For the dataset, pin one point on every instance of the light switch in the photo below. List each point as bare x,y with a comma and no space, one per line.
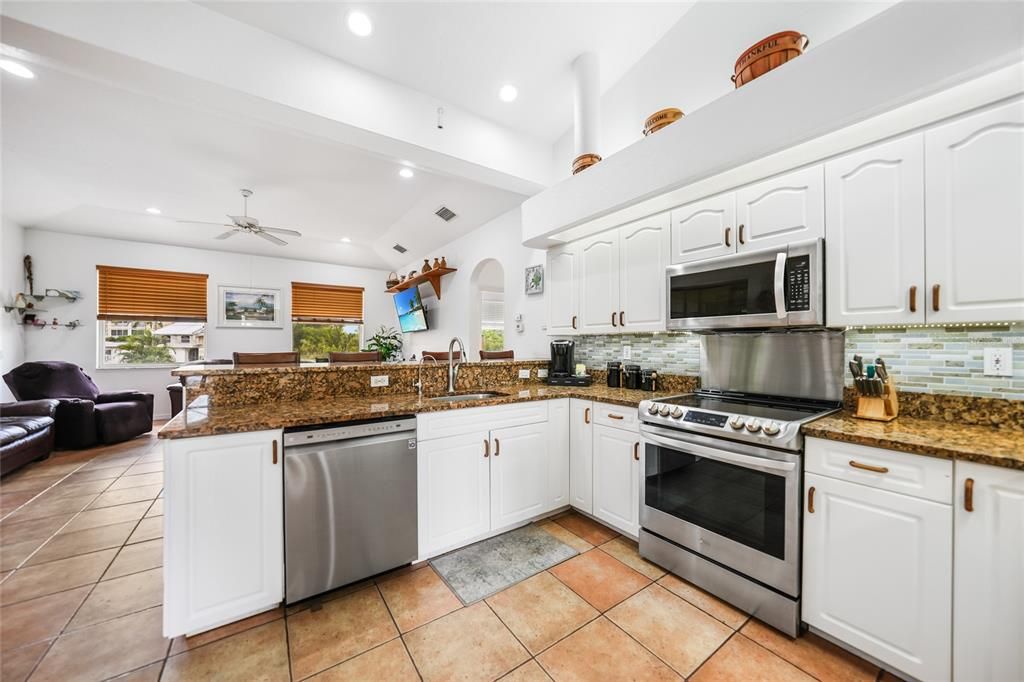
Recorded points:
627,352
999,362
524,374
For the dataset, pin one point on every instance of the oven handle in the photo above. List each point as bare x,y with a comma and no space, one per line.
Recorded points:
746,461
780,290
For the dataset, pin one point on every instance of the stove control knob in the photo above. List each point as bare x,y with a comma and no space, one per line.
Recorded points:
677,413
664,411
736,422
653,408
753,425
771,428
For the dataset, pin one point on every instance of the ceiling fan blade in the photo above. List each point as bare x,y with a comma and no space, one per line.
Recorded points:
225,235
244,221
203,222
271,238
281,230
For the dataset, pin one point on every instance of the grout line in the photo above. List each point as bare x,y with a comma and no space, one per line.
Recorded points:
713,653
401,635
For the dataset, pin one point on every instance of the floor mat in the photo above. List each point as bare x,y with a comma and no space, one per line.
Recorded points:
480,570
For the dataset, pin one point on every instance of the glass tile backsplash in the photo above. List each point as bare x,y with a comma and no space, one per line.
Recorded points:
924,360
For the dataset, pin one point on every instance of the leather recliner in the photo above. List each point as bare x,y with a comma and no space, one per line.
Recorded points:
26,433
84,416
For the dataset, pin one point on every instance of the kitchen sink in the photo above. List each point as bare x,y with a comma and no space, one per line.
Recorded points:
483,395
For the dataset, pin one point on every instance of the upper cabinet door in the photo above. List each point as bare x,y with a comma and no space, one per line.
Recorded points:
874,247
643,257
704,229
781,210
974,172
599,283
563,289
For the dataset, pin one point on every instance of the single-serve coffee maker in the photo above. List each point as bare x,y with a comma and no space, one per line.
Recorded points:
562,366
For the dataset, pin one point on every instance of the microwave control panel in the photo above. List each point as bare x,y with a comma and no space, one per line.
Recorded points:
798,283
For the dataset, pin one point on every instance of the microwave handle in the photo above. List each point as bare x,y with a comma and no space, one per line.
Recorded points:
780,285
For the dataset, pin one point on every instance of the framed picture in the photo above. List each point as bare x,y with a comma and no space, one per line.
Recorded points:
534,280
249,307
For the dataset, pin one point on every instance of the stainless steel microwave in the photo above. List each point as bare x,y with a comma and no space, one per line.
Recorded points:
780,287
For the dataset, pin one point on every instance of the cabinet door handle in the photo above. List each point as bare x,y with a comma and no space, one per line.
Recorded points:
573,321
497,447
612,415
487,448
636,451
935,298
969,495
613,319
741,234
810,500
622,318
913,299
728,234
586,415
869,467
273,448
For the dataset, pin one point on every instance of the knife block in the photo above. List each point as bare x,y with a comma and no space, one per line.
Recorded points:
883,409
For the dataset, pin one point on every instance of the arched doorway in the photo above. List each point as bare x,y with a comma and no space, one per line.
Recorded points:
487,308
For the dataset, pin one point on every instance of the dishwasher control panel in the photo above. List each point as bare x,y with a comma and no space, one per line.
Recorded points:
328,433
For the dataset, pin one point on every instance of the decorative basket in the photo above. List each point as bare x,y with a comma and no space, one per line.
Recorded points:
583,162
770,53
393,280
660,119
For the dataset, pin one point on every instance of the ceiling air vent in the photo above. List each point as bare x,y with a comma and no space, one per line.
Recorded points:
445,213
399,248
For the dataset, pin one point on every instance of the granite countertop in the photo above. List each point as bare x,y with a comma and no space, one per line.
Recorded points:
289,368
997,446
202,419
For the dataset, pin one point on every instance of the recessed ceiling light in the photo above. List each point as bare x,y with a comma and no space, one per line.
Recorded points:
346,240
153,210
406,173
16,69
359,24
508,93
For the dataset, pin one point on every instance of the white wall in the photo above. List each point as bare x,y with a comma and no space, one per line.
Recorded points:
69,261
12,281
500,240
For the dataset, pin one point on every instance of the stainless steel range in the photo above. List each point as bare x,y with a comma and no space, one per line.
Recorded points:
721,493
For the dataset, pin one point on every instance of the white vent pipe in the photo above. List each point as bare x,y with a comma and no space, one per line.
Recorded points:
586,103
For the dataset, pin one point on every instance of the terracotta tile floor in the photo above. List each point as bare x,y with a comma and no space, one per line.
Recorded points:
81,588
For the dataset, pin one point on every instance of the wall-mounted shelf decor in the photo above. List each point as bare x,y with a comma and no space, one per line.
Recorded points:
53,324
433,276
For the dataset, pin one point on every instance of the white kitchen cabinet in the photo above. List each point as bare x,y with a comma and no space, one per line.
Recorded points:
581,459
781,210
562,289
453,490
875,226
599,283
223,529
704,229
988,594
643,257
877,573
558,453
519,474
616,493
974,171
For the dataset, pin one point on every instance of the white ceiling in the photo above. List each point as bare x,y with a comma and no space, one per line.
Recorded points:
462,52
88,158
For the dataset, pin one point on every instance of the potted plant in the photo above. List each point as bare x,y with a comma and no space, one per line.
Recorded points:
388,342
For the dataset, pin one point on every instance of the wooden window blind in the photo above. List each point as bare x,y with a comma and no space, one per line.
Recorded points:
137,294
326,303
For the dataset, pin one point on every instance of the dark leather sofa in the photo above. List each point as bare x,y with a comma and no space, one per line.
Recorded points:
26,433
85,416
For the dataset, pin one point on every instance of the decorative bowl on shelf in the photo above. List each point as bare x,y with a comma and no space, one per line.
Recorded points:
393,280
768,54
660,119
583,162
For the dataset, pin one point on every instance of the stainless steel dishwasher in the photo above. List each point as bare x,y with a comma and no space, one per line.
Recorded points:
349,503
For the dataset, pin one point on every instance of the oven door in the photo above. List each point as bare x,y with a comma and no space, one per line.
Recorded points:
771,288
738,505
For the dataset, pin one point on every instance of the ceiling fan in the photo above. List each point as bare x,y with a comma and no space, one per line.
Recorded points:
246,223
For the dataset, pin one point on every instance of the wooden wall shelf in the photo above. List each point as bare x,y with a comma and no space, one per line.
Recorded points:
434,277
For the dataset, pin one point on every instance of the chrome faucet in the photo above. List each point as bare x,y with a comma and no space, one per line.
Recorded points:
419,377
453,366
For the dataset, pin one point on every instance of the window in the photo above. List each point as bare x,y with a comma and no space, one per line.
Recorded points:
492,320
326,318
150,318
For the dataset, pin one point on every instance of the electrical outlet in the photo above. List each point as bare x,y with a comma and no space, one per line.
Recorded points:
524,374
379,381
999,362
542,373
627,352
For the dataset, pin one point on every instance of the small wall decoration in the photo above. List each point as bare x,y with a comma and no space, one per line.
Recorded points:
249,307
534,280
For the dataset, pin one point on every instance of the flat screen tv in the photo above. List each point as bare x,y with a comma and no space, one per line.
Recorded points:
411,315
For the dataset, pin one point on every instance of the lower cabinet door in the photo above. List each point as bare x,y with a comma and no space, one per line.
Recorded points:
453,479
988,592
581,455
223,529
519,474
558,454
877,573
616,478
